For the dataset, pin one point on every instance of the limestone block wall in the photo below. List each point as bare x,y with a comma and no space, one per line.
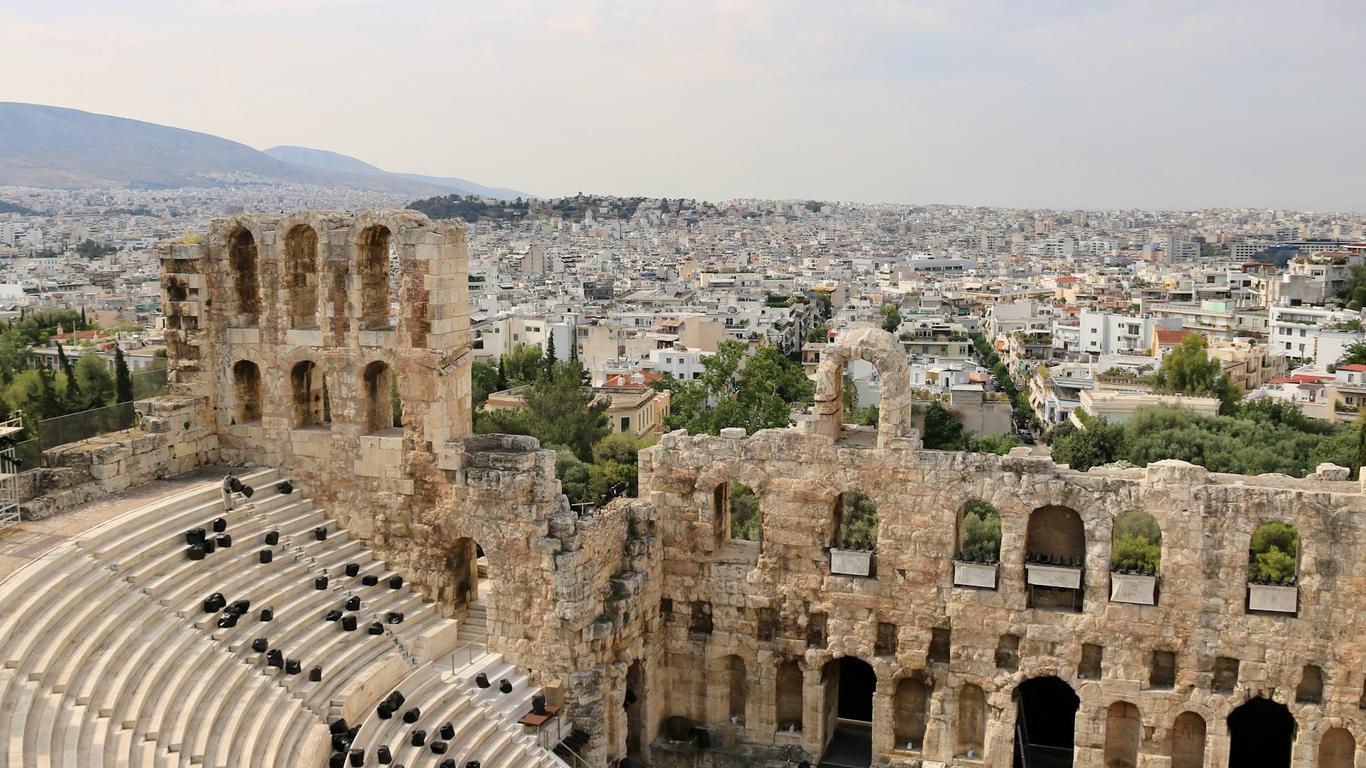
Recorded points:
778,601
173,435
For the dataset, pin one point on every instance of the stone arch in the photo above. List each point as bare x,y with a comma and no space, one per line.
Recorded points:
787,696
244,265
978,532
637,737
377,396
882,350
1046,711
1188,741
1123,733
972,722
1261,732
308,388
375,272
910,707
463,563
301,276
1337,749
1055,556
246,388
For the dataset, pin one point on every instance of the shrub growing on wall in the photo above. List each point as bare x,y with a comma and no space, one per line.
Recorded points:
1137,546
981,533
1272,556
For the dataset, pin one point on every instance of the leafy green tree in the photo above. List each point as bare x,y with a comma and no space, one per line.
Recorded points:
123,380
95,380
572,474
74,400
745,523
981,533
13,353
891,318
483,382
1273,552
1354,293
1354,354
858,522
558,411
943,430
1189,370
755,393
549,360
523,365
1137,544
1099,443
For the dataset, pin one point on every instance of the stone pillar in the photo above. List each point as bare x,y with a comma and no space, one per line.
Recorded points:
814,735
884,716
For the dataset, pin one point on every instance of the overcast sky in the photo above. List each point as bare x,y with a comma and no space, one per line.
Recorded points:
1020,102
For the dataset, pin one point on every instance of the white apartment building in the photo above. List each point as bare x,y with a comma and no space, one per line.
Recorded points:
682,363
1106,333
1296,332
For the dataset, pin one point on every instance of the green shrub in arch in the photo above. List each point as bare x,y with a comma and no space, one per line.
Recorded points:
858,523
1273,554
981,533
1137,544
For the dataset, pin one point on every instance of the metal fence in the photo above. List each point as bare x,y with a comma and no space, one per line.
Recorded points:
83,425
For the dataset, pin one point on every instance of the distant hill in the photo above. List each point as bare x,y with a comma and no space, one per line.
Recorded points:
42,146
8,207
333,161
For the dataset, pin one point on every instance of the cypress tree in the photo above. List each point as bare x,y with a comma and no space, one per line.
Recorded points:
550,355
123,380
73,389
48,404
502,376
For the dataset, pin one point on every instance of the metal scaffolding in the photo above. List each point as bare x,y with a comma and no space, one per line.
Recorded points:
9,471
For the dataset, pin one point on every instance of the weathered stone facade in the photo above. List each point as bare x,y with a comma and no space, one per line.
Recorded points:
652,597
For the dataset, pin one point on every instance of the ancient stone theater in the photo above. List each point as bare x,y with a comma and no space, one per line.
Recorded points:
376,585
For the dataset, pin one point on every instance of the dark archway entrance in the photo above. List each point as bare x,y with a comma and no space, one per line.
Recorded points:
634,703
1260,734
1045,719
849,684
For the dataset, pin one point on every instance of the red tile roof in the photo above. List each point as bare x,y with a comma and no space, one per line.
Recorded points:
1165,336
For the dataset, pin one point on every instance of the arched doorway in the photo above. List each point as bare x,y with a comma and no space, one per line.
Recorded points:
1260,733
301,276
1188,741
463,563
848,684
1045,719
376,279
243,264
246,384
1337,749
1123,732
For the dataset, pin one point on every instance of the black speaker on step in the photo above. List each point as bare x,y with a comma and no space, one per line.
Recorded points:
248,491
234,485
194,536
352,569
285,487
337,759
223,540
267,613
266,556
338,726
538,704
260,645
375,628
348,623
395,582
394,617
369,580
357,757
293,667
320,533
208,546
214,602
504,686
315,675
238,607
273,538
227,621
383,755
320,582
276,658
353,603
481,680
195,552
395,700
447,731
438,747
418,738
412,715
474,764
333,615
219,525
383,711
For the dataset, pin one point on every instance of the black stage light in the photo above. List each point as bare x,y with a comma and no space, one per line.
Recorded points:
227,621
293,667
194,536
504,686
357,757
195,552
267,613
338,726
538,704
260,645
438,747
214,602
348,623
208,546
333,615
273,538
369,580
352,569
383,754
394,617
418,738
320,582
219,525
320,533
266,556
315,675
285,487
395,582
375,628
276,658
353,603
447,731
412,715
223,540
481,680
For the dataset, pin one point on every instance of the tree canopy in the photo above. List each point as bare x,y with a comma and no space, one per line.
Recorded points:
755,393
1189,370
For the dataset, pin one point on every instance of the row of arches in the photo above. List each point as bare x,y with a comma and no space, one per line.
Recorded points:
310,401
1054,535
375,264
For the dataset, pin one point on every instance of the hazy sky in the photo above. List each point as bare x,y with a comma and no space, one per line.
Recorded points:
1019,102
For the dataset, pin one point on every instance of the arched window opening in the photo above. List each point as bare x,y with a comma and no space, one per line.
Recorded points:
634,702
301,276
978,550
737,690
1337,749
469,568
243,264
376,279
1273,562
737,508
1188,741
1310,688
1055,551
246,387
309,395
788,697
1260,733
855,529
1123,732
378,396
1045,714
340,318
910,705
1135,558
972,722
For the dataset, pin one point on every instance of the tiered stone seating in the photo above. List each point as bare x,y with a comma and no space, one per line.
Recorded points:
484,719
107,657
